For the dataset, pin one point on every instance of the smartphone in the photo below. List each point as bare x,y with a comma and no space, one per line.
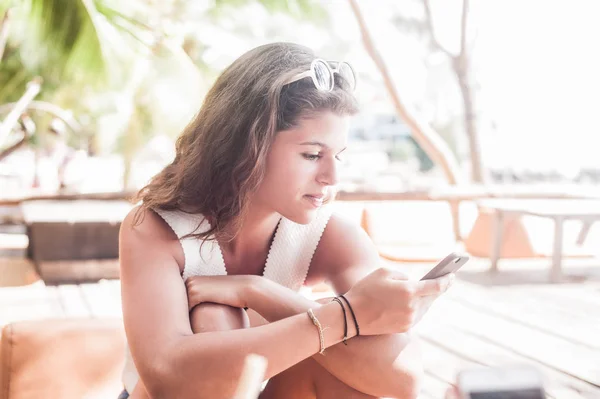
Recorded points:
513,382
450,264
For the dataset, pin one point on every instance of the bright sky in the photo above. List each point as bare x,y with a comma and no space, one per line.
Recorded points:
537,65
540,68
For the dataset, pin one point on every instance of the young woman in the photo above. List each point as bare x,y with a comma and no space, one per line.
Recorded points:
212,261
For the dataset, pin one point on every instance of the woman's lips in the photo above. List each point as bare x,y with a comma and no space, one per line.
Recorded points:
316,201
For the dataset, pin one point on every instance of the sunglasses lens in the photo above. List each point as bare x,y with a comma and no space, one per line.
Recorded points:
346,72
323,78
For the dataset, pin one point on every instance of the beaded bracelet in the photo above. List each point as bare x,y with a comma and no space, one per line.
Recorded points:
316,322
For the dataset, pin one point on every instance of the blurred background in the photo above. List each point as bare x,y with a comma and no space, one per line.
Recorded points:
477,133
119,80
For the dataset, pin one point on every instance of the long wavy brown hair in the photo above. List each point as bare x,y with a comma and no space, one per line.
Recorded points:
221,155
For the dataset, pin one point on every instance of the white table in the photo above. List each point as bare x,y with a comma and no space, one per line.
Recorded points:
558,210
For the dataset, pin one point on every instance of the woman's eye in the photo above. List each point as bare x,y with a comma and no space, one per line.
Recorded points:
311,157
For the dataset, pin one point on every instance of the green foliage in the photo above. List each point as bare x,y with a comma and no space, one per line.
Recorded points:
125,23
448,132
76,40
66,34
425,162
13,77
406,149
6,4
15,74
87,52
401,151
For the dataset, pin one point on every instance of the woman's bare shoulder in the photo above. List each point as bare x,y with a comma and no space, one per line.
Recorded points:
344,245
144,227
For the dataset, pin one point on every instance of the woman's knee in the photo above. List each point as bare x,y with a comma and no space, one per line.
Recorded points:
215,317
329,386
309,380
297,382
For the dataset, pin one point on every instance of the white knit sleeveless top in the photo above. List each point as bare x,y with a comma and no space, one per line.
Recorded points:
287,263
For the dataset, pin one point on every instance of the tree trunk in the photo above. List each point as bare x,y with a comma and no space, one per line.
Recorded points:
431,142
461,66
470,119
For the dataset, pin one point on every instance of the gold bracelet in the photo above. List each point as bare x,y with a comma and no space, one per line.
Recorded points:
320,328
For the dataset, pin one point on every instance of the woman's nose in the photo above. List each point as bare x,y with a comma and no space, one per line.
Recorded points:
329,175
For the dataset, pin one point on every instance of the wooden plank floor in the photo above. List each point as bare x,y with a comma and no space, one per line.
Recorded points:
518,317
514,317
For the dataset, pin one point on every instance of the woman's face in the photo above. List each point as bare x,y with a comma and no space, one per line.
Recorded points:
302,166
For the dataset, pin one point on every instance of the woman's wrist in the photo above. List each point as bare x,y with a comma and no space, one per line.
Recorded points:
352,304
352,320
347,313
332,320
251,290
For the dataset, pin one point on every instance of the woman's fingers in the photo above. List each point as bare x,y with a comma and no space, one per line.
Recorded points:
396,275
192,295
189,282
435,286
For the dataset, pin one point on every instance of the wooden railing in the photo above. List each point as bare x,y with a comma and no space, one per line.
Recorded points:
453,195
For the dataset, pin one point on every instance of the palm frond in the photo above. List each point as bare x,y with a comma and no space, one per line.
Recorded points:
126,24
75,37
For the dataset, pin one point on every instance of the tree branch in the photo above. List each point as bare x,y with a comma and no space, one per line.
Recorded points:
52,109
434,39
427,138
463,29
33,88
474,36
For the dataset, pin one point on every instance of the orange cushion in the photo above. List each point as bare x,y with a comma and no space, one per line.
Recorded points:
64,358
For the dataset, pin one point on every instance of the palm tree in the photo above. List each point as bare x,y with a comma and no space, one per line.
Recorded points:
70,42
92,42
74,39
62,41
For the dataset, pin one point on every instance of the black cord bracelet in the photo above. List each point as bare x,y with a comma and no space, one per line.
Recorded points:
353,315
345,319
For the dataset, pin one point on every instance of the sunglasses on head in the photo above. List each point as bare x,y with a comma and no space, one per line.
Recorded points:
322,73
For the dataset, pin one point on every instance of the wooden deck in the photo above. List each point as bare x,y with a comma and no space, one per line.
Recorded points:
484,320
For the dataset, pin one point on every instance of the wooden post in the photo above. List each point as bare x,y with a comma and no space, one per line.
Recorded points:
556,271
497,230
365,221
455,211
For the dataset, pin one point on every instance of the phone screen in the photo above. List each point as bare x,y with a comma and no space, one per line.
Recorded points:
509,382
450,264
533,393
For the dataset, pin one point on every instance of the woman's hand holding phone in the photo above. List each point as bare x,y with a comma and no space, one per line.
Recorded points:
386,302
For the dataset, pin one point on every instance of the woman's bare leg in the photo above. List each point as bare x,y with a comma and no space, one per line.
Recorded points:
309,380
306,380
204,318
